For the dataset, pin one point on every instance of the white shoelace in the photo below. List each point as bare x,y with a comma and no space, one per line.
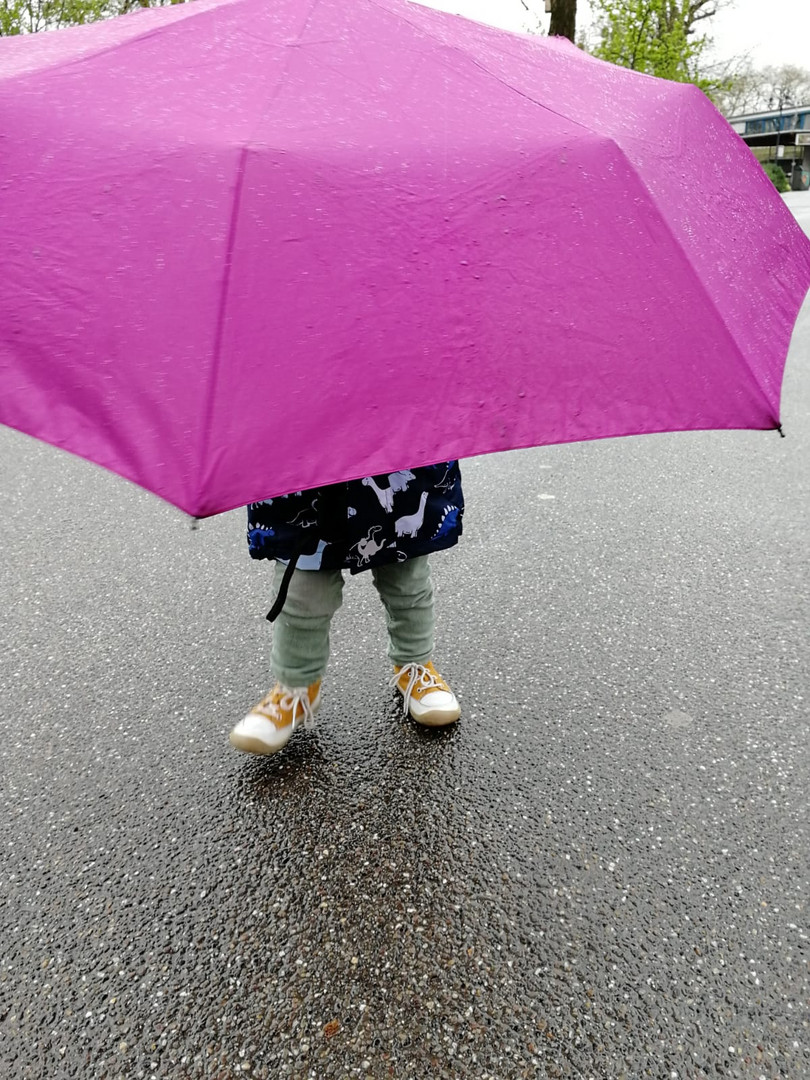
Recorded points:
291,699
417,674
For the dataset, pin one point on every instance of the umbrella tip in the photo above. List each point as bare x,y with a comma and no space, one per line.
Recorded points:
195,523
779,429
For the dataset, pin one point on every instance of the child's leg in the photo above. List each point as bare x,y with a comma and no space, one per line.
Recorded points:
301,632
407,595
300,654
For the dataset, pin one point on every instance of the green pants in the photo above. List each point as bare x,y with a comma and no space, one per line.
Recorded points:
301,632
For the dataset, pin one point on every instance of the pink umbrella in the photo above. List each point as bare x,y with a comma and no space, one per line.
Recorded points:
248,248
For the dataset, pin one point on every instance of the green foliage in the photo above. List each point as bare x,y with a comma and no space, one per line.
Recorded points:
778,176
30,16
657,37
23,16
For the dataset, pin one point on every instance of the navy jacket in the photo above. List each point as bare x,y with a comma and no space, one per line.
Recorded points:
363,523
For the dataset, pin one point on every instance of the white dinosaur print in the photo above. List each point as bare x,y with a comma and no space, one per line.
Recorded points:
305,518
397,481
445,484
368,547
412,523
314,561
385,495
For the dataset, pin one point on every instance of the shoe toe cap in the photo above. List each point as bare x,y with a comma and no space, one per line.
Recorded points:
257,735
435,708
438,699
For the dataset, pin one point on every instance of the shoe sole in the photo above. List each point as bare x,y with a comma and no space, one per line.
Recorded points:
255,746
251,745
436,718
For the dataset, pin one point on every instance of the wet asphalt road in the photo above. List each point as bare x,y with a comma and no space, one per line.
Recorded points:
602,872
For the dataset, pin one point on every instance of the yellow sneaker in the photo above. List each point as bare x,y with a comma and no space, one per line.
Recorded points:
268,726
426,696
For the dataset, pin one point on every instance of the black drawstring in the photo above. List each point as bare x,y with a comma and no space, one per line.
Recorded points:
278,603
331,511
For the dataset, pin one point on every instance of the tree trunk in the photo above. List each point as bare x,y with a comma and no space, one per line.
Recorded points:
563,19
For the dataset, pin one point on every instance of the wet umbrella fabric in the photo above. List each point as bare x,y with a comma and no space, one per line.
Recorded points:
248,248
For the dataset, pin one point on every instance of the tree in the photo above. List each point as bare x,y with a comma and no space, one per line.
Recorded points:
563,19
750,89
658,37
28,16
31,16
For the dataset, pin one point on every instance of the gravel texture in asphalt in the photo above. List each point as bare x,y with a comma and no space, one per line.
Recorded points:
602,871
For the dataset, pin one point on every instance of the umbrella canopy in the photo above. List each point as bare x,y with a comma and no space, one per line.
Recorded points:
248,248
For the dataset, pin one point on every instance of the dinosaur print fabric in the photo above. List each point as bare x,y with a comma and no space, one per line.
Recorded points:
389,518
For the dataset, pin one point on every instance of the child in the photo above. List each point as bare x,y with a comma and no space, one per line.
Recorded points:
388,524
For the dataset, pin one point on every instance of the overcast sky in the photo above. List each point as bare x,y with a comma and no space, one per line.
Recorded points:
770,31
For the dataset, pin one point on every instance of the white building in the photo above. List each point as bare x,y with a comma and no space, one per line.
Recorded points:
780,135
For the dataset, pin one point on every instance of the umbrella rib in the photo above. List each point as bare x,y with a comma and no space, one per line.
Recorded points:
213,379
477,63
703,289
569,120
693,272
180,13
